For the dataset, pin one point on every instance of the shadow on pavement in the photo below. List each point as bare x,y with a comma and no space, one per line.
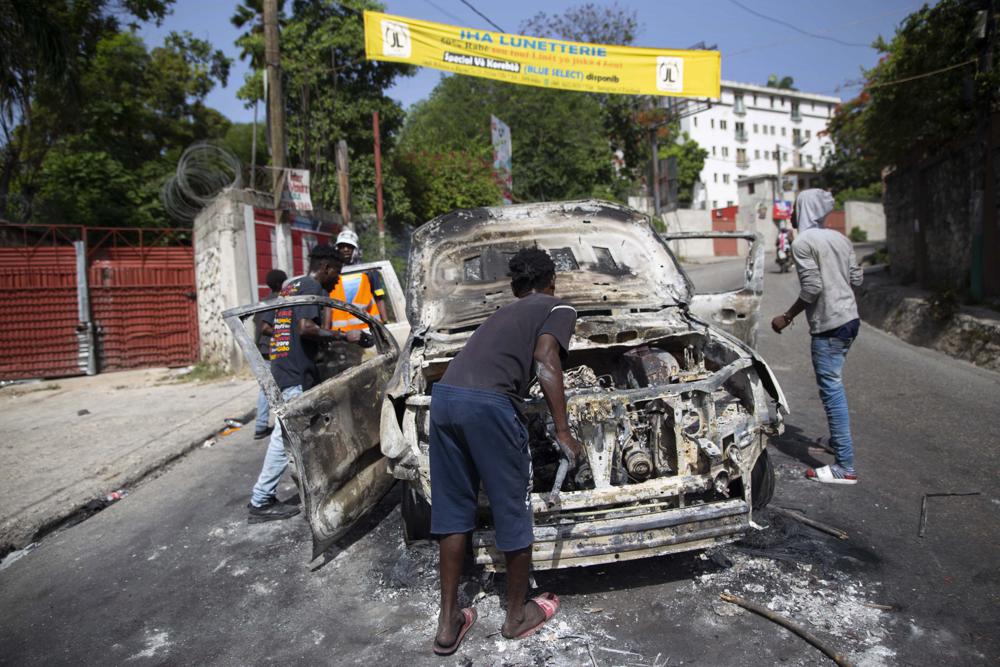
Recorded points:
796,444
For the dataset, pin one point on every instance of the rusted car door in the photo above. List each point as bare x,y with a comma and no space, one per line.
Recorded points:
737,311
332,430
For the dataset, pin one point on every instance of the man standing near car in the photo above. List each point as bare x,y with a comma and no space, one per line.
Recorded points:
296,333
827,270
262,321
478,433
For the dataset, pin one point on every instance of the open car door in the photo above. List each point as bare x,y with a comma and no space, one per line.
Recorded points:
331,430
736,311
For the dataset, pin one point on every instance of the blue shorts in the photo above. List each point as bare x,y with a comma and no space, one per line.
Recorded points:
478,435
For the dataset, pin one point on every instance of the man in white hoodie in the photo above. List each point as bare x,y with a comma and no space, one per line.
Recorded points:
827,269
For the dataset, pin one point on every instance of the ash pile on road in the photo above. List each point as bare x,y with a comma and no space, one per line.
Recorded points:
806,577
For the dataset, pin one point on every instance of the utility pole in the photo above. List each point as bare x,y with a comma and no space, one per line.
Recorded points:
378,185
275,98
656,170
344,184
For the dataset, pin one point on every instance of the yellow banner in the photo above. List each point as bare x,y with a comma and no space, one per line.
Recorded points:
537,61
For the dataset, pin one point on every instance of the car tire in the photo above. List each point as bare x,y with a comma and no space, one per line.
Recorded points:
762,481
416,513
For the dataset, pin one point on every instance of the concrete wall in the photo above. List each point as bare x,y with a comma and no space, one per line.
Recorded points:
929,219
869,216
690,220
222,277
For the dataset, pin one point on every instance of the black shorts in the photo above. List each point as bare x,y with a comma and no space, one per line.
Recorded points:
478,435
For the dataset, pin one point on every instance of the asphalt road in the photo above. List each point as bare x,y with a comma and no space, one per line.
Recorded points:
174,575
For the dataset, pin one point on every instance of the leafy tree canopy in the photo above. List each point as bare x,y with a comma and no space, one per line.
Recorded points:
782,83
439,182
560,147
330,93
909,109
690,158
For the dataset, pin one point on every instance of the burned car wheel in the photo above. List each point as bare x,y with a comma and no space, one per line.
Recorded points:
416,515
762,481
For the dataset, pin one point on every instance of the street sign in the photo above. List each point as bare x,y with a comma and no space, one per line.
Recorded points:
543,62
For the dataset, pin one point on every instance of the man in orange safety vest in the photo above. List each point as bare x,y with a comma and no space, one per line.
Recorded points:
361,289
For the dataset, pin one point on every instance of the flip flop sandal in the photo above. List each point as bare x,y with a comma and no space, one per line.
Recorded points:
470,618
825,475
549,604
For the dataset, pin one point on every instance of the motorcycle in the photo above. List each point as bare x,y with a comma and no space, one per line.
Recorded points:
784,251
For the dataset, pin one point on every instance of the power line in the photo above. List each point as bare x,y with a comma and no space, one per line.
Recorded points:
444,11
484,16
920,76
867,19
794,27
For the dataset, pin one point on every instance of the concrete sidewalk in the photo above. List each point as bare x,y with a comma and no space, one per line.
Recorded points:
70,441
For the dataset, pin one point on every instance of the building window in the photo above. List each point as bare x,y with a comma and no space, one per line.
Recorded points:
756,154
808,135
715,203
784,156
738,105
750,188
812,106
772,131
729,203
711,123
772,101
795,111
756,128
797,137
755,99
767,155
741,157
725,151
783,132
713,151
741,131
725,178
716,178
722,125
695,121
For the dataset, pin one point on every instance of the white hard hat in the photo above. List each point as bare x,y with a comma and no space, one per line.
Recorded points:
347,236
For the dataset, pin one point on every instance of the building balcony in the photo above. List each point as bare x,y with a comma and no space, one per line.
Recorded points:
743,164
740,110
796,116
741,136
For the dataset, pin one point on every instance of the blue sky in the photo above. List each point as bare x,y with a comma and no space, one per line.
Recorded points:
752,47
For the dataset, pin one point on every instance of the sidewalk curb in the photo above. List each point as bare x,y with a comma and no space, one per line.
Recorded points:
904,313
15,540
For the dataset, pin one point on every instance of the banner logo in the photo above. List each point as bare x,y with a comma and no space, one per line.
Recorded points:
669,74
396,39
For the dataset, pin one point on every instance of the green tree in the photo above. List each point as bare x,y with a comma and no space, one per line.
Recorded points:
139,109
560,147
598,24
782,83
45,48
331,91
690,158
440,182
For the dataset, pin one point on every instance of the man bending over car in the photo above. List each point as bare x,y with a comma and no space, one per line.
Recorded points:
478,433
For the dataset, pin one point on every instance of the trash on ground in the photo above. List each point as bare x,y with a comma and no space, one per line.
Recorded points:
818,525
784,622
233,423
923,505
15,556
80,413
208,443
115,496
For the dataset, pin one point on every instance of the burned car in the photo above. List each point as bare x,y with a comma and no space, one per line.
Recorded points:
672,408
664,391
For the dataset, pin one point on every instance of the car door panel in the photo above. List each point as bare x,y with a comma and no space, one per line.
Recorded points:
331,430
735,311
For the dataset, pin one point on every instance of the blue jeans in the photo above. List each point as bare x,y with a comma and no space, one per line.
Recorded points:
275,460
828,355
263,409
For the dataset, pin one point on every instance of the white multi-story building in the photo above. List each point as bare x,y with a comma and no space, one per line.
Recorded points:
747,129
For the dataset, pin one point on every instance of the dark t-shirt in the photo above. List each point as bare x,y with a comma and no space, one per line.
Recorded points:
264,342
291,355
499,356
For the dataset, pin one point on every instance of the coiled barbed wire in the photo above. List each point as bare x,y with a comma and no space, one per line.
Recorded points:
203,171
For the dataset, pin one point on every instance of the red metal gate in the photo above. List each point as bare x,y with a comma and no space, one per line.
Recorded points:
141,291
